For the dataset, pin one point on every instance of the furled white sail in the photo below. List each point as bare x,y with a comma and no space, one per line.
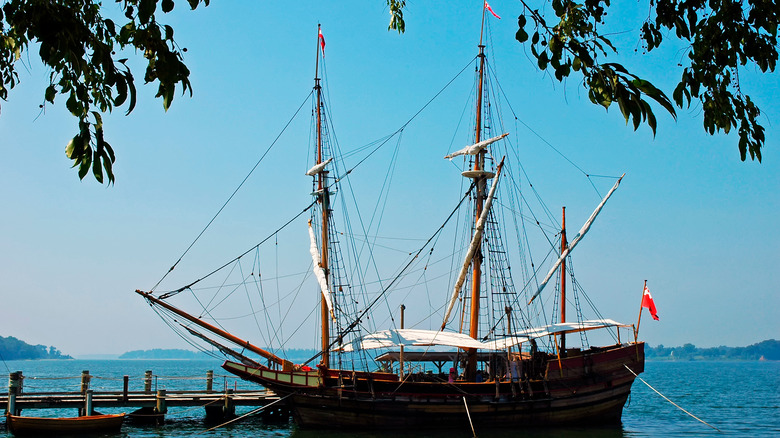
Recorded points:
319,272
475,148
475,241
318,168
576,240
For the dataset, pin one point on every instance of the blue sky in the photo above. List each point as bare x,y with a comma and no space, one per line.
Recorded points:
690,217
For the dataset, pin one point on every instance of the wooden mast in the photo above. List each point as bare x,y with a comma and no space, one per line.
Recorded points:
564,244
479,165
323,193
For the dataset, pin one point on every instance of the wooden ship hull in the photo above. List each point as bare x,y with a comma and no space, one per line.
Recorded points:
38,426
589,388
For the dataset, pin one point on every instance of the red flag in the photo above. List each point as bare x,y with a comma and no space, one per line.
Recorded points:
322,42
647,301
487,6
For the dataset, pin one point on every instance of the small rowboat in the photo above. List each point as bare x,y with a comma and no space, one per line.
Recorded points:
63,426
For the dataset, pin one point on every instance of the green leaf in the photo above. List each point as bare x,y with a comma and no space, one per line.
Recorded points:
623,108
651,122
70,149
146,10
84,168
521,35
542,61
576,64
72,105
51,92
167,95
97,169
167,6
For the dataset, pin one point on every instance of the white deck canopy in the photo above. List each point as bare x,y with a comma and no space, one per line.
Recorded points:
412,338
429,338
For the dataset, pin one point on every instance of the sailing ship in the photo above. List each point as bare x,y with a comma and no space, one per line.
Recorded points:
493,366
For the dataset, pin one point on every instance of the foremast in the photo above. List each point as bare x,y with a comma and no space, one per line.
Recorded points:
324,201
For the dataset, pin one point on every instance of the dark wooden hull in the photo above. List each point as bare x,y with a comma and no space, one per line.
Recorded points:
589,388
37,426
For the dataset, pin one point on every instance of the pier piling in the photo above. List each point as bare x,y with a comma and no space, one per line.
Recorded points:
84,381
88,409
148,382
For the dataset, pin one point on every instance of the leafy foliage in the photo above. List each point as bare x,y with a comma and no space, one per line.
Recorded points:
723,35
396,15
81,48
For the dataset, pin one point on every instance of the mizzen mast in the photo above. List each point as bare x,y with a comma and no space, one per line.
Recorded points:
564,244
322,192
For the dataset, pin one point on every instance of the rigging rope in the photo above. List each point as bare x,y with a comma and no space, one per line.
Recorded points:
358,319
174,292
273,143
435,96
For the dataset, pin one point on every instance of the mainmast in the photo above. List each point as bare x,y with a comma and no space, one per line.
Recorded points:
480,178
322,190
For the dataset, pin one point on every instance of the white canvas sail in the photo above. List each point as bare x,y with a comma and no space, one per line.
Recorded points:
475,148
319,273
475,241
576,240
318,168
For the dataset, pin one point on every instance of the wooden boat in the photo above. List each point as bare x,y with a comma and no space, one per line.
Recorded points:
507,354
38,426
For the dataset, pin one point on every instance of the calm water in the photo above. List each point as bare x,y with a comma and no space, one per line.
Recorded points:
740,398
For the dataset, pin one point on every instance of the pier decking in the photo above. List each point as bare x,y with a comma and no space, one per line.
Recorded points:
146,404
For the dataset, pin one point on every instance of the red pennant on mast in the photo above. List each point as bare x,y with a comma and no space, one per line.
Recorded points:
487,6
647,301
322,42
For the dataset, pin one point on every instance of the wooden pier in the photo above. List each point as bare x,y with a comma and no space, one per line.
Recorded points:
147,405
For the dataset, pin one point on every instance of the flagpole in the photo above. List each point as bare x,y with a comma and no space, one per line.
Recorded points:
641,302
482,26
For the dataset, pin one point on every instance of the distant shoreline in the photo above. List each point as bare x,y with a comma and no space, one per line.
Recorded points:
769,350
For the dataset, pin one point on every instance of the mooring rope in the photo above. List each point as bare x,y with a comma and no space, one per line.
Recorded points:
248,413
667,399
468,414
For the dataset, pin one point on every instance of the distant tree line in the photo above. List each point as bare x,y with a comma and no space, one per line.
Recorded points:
15,349
768,350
